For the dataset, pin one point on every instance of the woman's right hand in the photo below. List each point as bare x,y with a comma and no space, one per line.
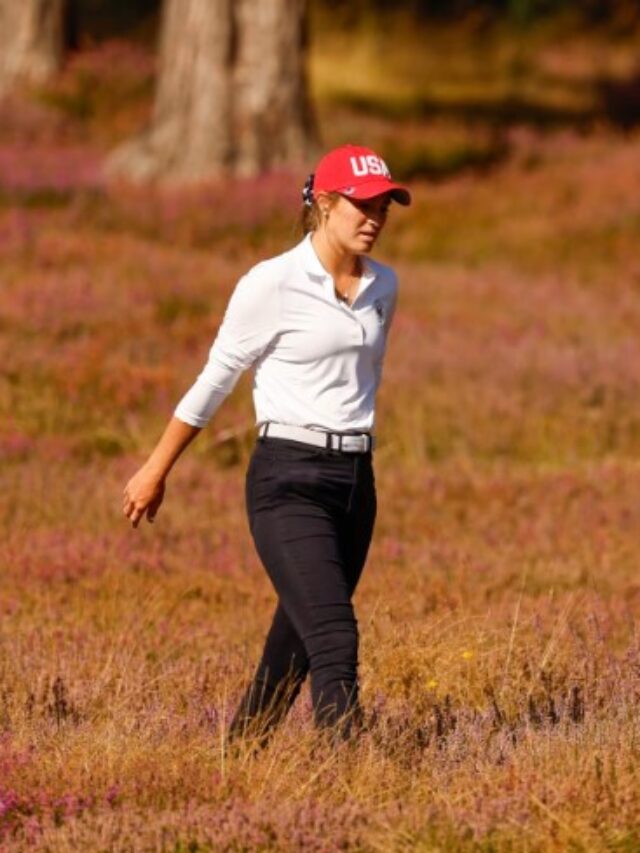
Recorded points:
143,494
145,490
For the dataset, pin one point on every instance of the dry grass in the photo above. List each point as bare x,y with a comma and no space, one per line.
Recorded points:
500,654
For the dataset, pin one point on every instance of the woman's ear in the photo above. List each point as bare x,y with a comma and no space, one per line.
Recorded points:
325,202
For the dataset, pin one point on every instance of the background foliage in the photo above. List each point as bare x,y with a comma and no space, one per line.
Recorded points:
499,609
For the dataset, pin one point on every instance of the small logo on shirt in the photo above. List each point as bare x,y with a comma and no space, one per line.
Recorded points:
379,306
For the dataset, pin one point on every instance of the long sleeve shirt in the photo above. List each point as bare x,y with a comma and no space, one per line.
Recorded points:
317,361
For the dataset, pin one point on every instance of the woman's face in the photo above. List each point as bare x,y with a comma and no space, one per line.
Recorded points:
353,225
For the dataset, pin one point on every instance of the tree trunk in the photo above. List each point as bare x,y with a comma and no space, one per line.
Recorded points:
31,41
272,120
231,96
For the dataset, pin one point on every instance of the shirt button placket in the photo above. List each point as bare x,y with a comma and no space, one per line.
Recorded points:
356,333
359,330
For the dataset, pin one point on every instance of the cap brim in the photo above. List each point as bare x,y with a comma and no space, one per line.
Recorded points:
371,189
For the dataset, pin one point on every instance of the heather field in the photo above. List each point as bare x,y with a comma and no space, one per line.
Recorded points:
500,652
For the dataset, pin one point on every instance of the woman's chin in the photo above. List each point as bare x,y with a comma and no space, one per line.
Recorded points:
365,242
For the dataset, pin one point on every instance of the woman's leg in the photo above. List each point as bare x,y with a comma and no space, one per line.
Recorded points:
277,681
312,516
298,544
355,527
284,664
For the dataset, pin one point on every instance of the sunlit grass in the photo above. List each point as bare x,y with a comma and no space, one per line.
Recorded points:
498,612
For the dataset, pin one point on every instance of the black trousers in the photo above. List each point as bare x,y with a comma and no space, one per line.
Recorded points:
311,513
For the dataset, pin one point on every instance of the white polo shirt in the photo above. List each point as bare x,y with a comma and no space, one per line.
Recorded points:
317,360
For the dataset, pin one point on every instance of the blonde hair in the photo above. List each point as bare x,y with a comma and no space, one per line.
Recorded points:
311,215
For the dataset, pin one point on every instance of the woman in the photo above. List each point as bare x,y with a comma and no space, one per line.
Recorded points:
313,322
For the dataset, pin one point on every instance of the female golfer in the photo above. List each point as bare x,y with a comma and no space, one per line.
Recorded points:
313,322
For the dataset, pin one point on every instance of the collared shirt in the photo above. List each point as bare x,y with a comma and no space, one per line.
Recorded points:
317,360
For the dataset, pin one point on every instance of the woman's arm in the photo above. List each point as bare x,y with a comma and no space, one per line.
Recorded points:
391,310
248,327
145,490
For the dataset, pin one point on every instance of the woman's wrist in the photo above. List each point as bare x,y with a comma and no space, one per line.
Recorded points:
176,437
156,470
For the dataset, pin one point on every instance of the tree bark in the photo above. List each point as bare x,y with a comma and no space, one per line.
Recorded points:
31,41
231,95
273,124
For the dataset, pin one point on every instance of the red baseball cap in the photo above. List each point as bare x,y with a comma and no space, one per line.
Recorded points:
357,172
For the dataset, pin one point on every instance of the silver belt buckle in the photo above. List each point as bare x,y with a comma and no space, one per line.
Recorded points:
354,443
